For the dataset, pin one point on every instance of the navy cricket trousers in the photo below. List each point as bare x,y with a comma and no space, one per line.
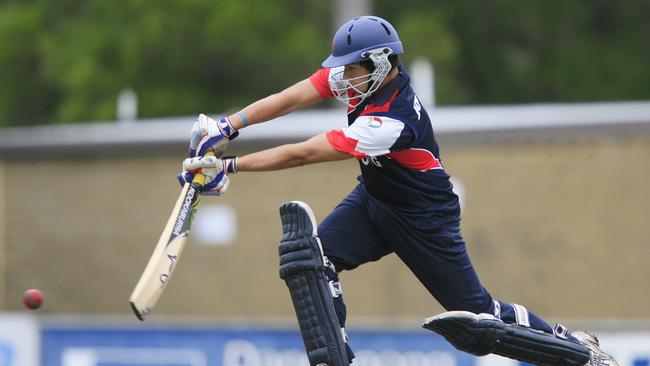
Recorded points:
363,229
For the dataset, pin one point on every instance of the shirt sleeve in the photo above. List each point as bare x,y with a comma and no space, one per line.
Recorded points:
320,80
370,136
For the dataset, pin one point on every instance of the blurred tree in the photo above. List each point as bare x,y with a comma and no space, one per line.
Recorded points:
509,51
67,60
181,57
23,94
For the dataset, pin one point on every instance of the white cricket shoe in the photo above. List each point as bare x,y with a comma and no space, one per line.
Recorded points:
598,357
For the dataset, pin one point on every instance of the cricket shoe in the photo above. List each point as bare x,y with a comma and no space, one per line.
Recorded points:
597,356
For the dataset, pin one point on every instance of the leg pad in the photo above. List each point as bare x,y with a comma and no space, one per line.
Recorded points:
302,267
484,334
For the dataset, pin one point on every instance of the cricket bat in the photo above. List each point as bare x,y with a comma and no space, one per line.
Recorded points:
165,256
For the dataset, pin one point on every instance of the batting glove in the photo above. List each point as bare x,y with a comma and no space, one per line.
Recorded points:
208,134
214,169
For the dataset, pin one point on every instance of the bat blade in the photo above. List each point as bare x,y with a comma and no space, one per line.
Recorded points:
168,250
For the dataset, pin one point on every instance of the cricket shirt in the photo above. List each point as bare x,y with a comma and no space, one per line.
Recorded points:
391,135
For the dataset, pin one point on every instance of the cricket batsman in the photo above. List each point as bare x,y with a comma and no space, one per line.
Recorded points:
403,204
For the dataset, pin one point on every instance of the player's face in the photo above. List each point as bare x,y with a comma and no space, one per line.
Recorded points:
357,76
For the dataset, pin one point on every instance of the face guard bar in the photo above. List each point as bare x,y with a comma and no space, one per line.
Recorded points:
348,91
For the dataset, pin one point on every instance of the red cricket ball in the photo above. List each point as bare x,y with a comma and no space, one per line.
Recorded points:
33,298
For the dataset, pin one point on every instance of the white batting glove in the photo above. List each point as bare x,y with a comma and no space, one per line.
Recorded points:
214,169
208,134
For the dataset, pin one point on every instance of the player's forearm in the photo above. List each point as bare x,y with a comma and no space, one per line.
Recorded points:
299,95
315,150
277,158
263,110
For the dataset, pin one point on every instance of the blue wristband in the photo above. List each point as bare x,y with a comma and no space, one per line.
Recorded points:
243,118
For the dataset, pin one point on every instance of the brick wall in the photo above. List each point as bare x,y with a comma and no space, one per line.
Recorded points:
3,235
558,226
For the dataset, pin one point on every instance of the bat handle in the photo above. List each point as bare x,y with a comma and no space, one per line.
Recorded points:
198,177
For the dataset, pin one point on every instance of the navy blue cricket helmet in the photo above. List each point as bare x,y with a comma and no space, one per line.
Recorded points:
359,35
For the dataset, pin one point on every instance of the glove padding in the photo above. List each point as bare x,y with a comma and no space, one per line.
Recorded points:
214,169
208,134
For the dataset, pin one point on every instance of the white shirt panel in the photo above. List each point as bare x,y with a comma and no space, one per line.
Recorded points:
375,135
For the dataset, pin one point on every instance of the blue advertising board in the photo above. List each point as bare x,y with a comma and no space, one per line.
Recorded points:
185,346
6,354
92,345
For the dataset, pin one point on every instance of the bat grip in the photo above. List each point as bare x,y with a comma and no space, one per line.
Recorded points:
198,177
